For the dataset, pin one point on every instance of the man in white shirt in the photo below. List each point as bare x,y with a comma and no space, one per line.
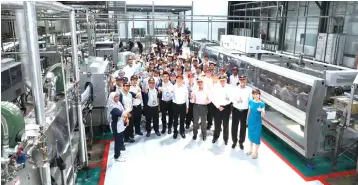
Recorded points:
166,101
205,64
222,102
191,87
200,97
234,78
126,98
137,105
180,106
208,84
240,99
151,100
128,69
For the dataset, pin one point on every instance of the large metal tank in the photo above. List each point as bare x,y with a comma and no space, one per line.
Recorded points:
15,122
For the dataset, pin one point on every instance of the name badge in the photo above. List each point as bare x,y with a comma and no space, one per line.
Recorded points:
167,95
154,102
227,98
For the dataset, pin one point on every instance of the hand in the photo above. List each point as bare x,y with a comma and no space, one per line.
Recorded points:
187,110
160,89
129,115
147,89
221,108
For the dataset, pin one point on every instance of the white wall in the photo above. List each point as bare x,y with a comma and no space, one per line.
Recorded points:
201,7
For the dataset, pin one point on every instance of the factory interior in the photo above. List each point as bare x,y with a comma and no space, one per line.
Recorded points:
61,60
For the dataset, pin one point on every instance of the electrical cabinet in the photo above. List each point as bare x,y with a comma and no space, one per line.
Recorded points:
227,41
12,85
333,52
247,44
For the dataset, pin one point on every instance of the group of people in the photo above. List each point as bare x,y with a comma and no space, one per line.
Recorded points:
186,91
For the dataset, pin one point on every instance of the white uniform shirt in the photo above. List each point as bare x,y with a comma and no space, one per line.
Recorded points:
201,97
128,71
127,101
221,95
167,89
136,101
181,95
153,97
244,93
234,80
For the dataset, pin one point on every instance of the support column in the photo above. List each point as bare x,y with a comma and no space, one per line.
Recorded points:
191,24
126,22
34,56
20,30
76,69
153,32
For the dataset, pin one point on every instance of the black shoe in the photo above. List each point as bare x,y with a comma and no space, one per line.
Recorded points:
175,135
233,145
158,133
148,134
204,138
169,131
183,135
208,127
139,133
163,131
214,140
194,137
225,142
131,137
187,126
241,146
123,148
129,140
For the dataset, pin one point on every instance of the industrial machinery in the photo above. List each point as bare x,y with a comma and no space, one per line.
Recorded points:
241,43
46,144
310,112
96,72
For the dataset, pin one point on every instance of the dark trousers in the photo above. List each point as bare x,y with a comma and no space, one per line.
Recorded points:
137,115
152,113
238,117
199,111
210,115
179,111
118,144
129,131
166,108
222,118
189,115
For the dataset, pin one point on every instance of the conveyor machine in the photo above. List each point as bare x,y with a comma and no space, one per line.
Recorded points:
302,109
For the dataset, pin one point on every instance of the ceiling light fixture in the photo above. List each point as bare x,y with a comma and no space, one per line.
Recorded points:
173,9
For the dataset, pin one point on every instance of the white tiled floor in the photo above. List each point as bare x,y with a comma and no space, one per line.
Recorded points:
163,160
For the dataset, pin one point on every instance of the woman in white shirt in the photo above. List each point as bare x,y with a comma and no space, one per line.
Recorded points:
118,120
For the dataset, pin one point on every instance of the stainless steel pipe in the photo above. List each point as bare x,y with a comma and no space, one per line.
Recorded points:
65,84
42,5
20,30
76,69
34,55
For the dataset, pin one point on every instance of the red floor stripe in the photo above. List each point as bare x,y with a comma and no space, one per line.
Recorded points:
318,177
324,182
93,165
104,163
103,141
